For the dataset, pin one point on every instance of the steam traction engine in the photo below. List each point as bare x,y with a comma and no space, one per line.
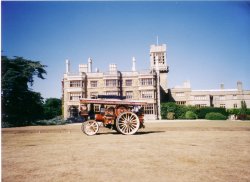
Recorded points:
126,117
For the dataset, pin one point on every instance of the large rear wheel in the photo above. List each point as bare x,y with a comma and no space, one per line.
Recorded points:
127,123
90,127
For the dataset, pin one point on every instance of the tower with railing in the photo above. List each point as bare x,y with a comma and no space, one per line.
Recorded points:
158,61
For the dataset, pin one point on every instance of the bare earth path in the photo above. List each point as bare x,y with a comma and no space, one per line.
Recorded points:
179,151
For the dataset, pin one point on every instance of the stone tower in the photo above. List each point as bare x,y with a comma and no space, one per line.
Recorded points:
158,58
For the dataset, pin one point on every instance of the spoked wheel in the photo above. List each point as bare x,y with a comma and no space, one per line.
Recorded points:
90,127
127,123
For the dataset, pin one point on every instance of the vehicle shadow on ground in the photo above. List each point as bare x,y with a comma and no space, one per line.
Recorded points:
137,133
148,132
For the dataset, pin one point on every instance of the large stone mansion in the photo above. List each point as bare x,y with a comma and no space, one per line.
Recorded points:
150,86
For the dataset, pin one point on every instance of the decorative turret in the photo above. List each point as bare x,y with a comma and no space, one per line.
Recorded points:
158,62
158,51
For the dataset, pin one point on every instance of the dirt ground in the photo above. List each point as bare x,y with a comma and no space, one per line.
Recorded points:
170,151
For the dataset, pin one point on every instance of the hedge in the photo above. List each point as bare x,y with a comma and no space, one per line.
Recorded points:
201,112
170,110
215,116
178,110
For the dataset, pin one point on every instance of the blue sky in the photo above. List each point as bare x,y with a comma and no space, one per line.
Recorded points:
208,43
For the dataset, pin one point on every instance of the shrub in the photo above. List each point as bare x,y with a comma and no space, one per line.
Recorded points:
215,116
248,117
54,121
242,116
178,110
190,115
170,115
201,112
181,111
168,107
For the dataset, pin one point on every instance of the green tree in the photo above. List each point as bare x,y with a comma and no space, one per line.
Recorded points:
20,105
52,108
243,109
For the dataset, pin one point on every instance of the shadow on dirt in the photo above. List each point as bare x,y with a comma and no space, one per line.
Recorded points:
148,132
138,133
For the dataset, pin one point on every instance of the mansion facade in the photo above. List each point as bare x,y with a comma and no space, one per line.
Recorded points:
133,85
149,85
225,98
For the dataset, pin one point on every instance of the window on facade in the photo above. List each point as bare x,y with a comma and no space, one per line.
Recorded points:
222,105
234,96
222,97
147,94
129,94
93,94
235,105
179,94
75,83
146,81
75,96
160,58
111,83
111,93
128,82
149,109
181,102
93,83
200,105
200,97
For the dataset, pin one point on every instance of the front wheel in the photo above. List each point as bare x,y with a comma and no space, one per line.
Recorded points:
127,123
90,127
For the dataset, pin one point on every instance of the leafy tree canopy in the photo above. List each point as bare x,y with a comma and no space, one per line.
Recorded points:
20,105
52,108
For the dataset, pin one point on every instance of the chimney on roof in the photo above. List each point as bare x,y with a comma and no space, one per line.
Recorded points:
83,68
239,85
89,65
222,86
187,84
112,68
67,66
133,64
